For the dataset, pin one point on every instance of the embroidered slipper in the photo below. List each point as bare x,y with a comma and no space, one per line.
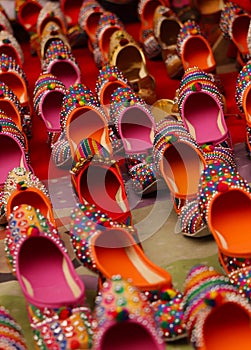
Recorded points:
97,179
9,104
108,80
128,318
82,117
22,186
199,96
14,147
60,62
55,301
27,12
166,27
126,54
51,12
179,160
225,199
192,221
108,23
146,9
51,33
48,96
212,307
89,16
109,248
12,336
133,120
194,48
234,24
13,75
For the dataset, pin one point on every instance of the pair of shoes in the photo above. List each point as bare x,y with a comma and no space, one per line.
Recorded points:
235,24
215,314
99,243
55,301
180,161
63,151
62,319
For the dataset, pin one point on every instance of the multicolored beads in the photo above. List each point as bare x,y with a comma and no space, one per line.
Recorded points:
119,301
204,291
11,336
243,84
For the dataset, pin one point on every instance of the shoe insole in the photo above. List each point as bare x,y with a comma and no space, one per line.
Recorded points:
227,327
169,31
100,186
11,156
229,217
105,40
136,130
129,61
240,28
46,273
51,108
87,123
117,254
128,335
32,198
181,168
92,24
66,71
197,53
204,118
10,110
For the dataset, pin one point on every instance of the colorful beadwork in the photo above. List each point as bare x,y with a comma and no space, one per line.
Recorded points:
188,29
11,337
242,86
76,97
25,221
218,177
120,301
204,290
58,51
